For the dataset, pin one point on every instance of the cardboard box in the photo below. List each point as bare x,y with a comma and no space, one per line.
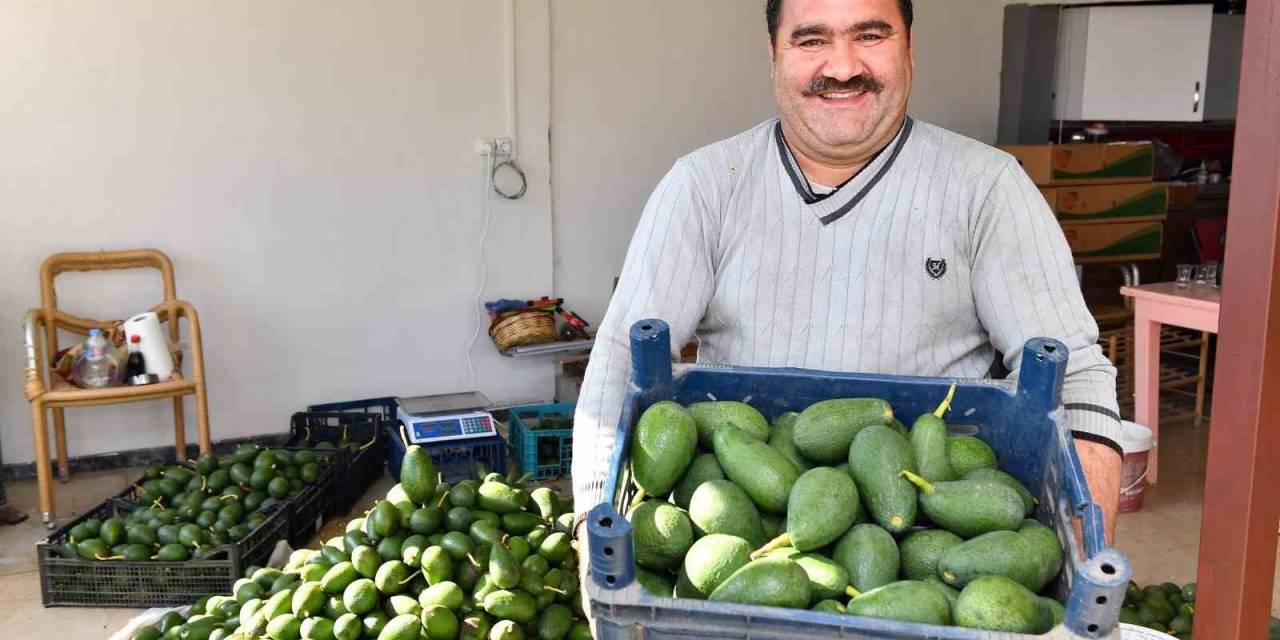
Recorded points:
1114,242
1084,163
1051,196
1113,203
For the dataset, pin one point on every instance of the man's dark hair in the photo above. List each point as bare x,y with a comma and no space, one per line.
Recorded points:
773,7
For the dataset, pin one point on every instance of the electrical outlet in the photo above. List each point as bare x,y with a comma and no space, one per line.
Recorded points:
500,147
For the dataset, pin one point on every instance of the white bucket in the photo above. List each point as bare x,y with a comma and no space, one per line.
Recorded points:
1137,442
1135,632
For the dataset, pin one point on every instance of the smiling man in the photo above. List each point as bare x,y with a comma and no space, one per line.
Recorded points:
846,236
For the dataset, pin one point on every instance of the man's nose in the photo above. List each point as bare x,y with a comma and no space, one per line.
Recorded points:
844,61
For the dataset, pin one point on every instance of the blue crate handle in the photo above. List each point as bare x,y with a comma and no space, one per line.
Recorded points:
1097,581
651,354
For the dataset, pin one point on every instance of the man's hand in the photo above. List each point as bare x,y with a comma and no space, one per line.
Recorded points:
1102,472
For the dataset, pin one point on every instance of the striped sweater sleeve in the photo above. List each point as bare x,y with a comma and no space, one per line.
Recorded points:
667,274
1025,286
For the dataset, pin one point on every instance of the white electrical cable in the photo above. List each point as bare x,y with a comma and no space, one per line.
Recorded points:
484,263
509,18
491,167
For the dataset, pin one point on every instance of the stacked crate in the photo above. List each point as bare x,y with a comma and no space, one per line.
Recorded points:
1104,196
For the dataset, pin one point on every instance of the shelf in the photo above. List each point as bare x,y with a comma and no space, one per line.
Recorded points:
1177,379
1176,339
549,349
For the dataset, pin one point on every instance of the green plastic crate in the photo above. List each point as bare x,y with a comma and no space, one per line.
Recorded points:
541,438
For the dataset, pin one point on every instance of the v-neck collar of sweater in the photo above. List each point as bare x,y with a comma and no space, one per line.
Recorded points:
832,206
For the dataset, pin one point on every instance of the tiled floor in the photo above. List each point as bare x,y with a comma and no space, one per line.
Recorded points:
20,608
1161,539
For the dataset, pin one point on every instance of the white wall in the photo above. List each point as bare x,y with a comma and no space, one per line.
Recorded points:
310,168
635,85
633,88
958,50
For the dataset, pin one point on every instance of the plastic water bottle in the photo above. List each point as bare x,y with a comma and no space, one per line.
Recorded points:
97,366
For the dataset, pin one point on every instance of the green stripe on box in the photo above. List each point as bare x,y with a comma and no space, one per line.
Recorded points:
1139,163
1154,202
1143,241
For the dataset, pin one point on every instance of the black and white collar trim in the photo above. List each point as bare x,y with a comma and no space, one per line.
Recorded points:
833,206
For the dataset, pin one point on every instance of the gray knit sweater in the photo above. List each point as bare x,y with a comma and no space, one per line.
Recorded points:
939,258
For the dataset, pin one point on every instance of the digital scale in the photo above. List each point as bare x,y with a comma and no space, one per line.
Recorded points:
452,416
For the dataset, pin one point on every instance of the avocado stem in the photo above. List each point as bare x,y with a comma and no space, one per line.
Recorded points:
554,590
919,482
840,607
473,560
635,501
851,592
946,403
777,543
403,438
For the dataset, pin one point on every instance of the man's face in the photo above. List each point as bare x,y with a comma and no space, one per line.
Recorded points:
841,75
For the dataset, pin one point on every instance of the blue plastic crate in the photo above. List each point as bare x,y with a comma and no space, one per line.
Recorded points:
456,459
541,452
1021,422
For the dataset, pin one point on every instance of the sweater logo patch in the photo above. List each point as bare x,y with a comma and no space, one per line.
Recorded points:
935,268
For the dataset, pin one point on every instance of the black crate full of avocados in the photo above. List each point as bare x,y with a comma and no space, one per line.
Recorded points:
360,453
69,580
314,502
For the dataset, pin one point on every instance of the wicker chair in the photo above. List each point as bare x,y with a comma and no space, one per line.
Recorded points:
47,389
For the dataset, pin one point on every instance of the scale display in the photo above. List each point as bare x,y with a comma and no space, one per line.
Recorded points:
459,416
435,429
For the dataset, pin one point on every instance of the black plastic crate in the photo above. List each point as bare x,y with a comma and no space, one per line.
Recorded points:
307,509
69,580
353,472
385,408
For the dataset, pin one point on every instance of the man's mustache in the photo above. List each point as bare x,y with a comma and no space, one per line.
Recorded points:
859,83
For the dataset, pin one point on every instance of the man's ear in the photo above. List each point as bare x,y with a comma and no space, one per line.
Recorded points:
773,54
911,47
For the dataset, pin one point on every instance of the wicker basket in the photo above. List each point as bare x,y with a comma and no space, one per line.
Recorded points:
525,327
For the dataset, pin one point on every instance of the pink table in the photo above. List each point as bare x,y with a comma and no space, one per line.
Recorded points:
1195,307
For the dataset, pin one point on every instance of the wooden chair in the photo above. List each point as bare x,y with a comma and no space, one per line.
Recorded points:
46,389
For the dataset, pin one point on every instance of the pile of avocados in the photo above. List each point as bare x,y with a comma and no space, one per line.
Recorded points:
1164,607
839,509
185,511
482,558
323,440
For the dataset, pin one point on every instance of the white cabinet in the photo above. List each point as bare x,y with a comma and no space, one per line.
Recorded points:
1147,63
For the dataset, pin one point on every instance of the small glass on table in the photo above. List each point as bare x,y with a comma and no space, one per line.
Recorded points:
1208,273
1185,271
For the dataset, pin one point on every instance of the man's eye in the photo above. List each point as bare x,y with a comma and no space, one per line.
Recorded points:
811,44
870,37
